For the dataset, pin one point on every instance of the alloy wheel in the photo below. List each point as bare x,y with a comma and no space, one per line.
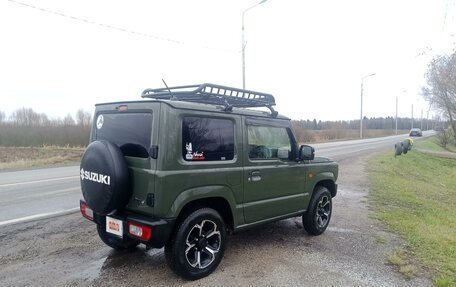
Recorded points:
202,244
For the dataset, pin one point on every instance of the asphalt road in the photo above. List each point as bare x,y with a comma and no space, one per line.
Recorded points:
30,194
33,194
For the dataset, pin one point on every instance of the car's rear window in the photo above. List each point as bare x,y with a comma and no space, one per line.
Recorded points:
131,132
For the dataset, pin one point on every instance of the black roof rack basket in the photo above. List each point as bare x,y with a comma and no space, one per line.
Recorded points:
214,94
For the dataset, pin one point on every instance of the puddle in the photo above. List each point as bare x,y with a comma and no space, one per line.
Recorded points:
341,230
93,270
351,193
113,260
137,257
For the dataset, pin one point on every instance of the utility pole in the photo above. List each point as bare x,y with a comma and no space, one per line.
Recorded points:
421,124
396,115
361,117
427,118
412,116
243,42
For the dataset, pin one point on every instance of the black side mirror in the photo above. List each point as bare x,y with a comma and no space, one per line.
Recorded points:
306,152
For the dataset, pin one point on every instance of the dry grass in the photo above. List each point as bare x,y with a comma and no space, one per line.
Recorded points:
399,259
27,157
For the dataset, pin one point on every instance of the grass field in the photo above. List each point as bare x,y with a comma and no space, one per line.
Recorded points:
432,144
27,157
415,195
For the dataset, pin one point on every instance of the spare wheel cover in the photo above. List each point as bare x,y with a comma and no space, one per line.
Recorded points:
104,177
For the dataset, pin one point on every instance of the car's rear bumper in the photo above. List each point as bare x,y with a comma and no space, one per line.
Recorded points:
161,228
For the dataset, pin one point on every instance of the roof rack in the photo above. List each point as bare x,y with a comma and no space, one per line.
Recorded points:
214,94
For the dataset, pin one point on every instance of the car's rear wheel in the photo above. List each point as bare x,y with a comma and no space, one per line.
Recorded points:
114,241
198,244
317,217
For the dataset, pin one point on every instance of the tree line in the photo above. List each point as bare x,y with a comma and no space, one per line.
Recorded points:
368,123
25,127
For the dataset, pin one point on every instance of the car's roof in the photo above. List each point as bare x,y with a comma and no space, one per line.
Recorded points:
199,106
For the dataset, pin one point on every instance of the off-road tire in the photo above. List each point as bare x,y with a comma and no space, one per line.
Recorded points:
181,252
114,241
317,217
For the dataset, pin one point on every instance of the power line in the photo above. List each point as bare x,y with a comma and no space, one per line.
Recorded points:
116,28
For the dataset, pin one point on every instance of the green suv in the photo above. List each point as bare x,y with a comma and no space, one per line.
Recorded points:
187,164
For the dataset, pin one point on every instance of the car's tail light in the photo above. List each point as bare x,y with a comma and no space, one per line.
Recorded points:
86,211
137,230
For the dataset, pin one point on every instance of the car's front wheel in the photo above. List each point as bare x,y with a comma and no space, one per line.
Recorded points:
317,217
198,244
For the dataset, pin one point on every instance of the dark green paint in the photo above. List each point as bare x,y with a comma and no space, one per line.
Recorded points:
284,190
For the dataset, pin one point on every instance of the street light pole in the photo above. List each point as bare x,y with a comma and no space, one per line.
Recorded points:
421,121
396,115
243,42
412,116
361,118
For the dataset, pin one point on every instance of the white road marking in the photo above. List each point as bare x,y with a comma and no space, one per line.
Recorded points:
38,216
38,181
41,195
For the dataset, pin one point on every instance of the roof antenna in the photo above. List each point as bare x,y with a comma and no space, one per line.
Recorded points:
228,107
172,96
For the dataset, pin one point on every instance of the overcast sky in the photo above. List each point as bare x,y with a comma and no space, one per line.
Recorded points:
311,55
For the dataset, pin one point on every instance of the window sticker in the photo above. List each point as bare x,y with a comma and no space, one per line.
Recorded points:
198,156
189,155
100,121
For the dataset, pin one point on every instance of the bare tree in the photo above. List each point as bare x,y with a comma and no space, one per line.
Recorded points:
441,92
43,120
28,117
25,117
68,121
83,118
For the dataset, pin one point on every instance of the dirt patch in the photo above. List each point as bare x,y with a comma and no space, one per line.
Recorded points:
444,154
26,157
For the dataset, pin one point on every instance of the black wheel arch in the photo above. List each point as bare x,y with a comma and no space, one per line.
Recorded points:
329,184
219,204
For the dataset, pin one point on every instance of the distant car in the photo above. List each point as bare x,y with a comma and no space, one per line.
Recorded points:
416,133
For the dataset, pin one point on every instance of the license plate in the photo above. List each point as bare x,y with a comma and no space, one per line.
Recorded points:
114,226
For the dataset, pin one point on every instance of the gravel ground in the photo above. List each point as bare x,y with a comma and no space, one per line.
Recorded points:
66,251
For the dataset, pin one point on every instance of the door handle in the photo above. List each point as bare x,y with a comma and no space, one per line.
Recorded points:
255,175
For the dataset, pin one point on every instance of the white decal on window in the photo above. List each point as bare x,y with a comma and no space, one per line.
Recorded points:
189,155
100,121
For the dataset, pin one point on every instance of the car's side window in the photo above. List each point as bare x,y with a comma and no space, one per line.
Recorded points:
264,142
207,139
